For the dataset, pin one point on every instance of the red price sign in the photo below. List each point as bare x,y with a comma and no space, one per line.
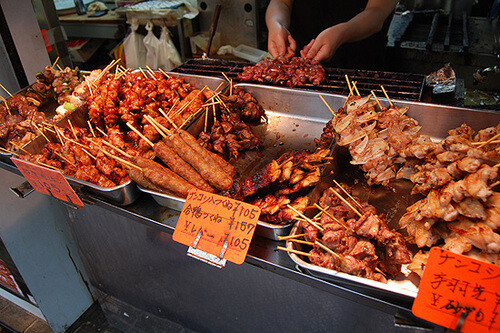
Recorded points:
455,286
47,181
216,220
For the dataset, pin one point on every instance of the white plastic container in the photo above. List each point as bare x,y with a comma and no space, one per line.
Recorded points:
249,53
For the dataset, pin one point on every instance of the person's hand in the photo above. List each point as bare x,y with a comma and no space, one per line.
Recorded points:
323,47
280,42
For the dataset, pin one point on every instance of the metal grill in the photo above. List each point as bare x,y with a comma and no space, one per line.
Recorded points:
398,85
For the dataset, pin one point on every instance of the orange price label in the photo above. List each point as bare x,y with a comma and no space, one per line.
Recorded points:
455,285
216,220
47,181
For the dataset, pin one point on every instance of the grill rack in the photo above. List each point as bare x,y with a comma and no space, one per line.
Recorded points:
405,86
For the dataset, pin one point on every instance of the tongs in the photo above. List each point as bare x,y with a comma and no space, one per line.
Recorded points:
213,28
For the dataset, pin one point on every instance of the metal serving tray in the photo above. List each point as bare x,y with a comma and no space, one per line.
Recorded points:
288,129
435,121
404,286
48,107
128,192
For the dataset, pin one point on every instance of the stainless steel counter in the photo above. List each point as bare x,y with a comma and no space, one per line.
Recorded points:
142,275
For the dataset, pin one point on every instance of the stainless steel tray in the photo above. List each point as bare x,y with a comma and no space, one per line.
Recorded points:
287,129
404,286
126,193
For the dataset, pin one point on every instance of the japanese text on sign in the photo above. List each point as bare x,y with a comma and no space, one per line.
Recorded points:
453,284
47,181
217,220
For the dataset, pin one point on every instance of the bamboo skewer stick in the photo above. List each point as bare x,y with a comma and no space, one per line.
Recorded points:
155,125
102,132
59,135
491,139
91,128
386,95
345,201
293,251
20,148
72,129
376,98
164,73
299,241
348,84
41,132
347,193
48,166
9,151
162,112
172,122
327,105
330,215
495,184
6,105
346,100
151,72
116,148
140,134
290,236
64,158
356,88
481,142
55,62
206,121
121,160
307,219
162,128
327,249
145,76
59,67
5,90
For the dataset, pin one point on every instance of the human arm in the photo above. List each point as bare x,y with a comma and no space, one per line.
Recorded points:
361,26
280,42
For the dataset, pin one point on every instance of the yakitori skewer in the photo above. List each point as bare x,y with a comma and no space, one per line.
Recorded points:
102,132
6,105
355,88
327,105
386,95
164,73
91,128
5,90
9,151
345,201
140,134
488,141
145,76
152,73
347,193
299,241
327,249
293,251
314,224
348,84
157,125
121,160
290,236
116,148
55,62
72,129
376,98
330,215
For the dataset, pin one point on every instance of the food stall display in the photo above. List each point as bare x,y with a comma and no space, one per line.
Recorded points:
171,133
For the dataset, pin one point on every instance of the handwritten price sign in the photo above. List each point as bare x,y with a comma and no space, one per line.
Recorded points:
216,220
47,181
455,285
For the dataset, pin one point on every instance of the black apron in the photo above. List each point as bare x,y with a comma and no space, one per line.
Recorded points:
310,17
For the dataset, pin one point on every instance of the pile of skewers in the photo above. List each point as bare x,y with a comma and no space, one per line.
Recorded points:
457,177
21,115
231,133
295,71
350,236
282,184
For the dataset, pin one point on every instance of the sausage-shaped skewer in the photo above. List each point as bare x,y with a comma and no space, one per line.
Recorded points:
163,177
179,166
207,155
211,172
138,177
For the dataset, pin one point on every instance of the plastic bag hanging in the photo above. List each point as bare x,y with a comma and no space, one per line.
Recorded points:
152,44
168,56
133,47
